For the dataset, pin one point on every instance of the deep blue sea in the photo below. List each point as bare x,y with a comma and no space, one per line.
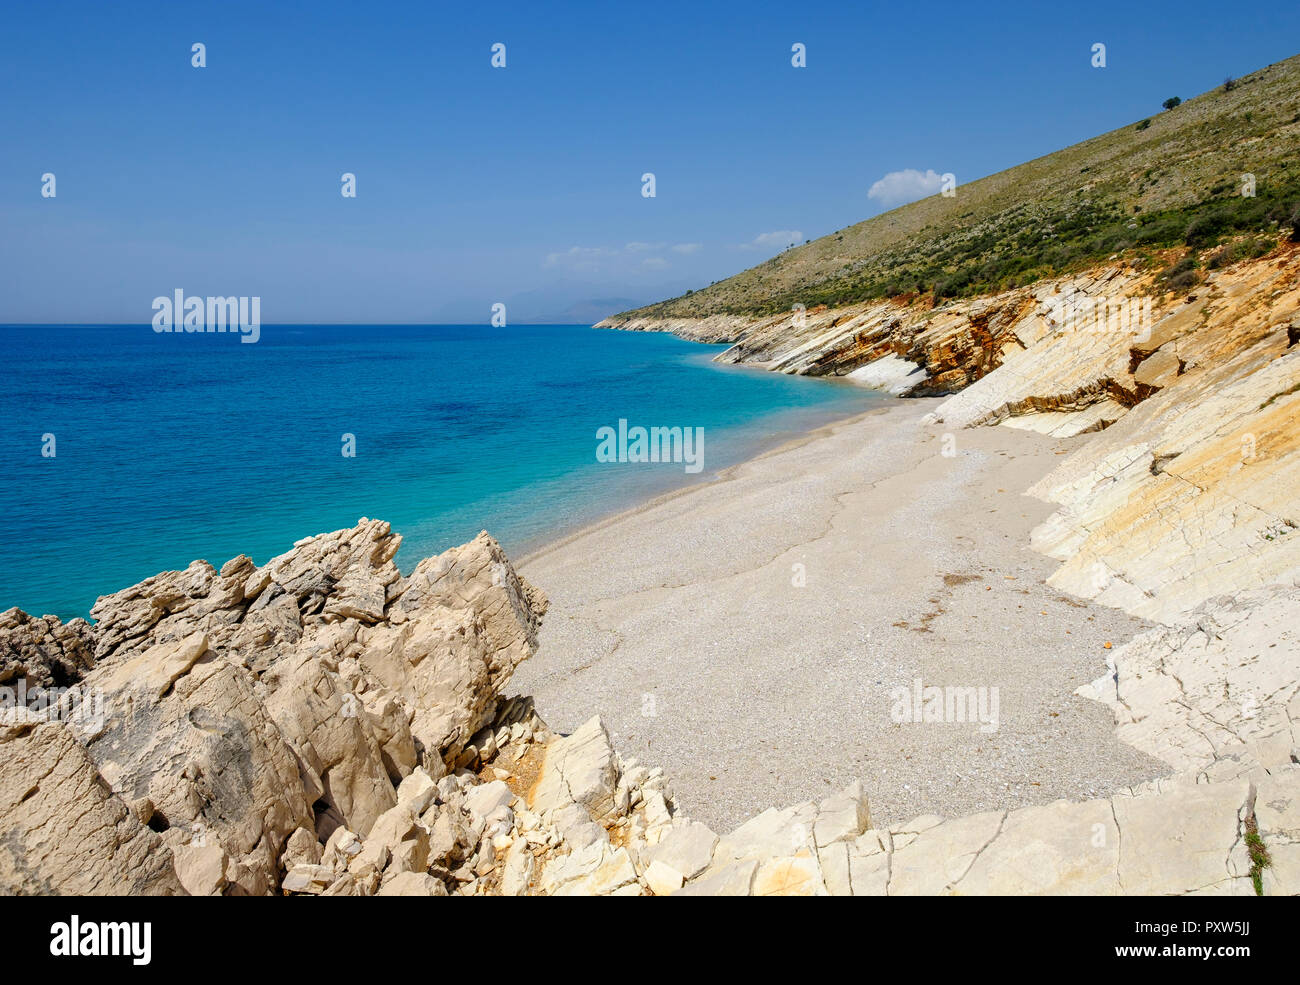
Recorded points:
175,447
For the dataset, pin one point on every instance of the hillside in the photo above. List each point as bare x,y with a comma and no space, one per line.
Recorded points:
1173,179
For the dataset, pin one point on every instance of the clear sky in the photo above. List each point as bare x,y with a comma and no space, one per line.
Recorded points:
523,185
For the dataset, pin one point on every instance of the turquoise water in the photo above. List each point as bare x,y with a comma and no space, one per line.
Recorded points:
175,447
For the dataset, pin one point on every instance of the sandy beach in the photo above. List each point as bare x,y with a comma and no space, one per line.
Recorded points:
750,635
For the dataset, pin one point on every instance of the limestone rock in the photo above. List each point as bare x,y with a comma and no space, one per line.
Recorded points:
63,830
686,849
1277,818
734,879
450,840
789,832
793,875
302,848
578,864
193,736
253,711
417,790
343,846
1217,692
203,869
309,880
484,799
662,879
579,769
937,857
842,817
332,738
412,884
44,651
517,870
575,826
613,871
1057,848
1186,840
456,630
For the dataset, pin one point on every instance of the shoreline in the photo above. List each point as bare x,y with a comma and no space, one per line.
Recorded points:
724,474
678,622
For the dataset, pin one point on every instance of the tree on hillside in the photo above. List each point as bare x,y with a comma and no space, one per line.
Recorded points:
1171,102
1229,84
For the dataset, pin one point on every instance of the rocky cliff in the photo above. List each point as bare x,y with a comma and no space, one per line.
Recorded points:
214,728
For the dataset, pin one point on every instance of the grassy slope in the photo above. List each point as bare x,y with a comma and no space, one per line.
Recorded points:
1128,189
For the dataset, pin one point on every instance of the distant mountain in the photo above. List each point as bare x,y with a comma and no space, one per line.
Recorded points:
592,311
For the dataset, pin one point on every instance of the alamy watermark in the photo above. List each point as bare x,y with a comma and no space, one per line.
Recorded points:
103,939
77,704
684,446
949,705
179,313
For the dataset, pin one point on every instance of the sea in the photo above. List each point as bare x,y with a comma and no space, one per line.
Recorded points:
125,452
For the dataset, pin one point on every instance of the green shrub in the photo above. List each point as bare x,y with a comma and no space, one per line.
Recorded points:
1207,227
1179,267
1171,102
1018,249
1249,248
1143,125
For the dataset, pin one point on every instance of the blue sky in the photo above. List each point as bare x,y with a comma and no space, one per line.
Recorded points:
522,185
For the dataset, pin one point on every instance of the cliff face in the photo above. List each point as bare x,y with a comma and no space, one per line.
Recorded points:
907,349
1190,490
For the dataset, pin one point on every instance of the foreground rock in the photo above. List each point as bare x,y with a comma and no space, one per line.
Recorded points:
64,831
239,717
1218,695
43,652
